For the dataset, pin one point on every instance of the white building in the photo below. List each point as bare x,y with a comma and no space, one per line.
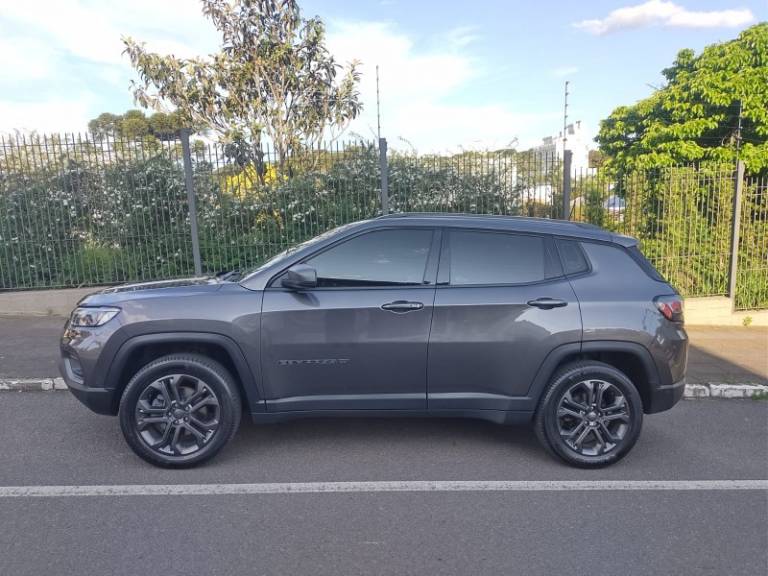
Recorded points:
576,140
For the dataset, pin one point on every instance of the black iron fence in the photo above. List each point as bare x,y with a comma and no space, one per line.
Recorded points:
79,211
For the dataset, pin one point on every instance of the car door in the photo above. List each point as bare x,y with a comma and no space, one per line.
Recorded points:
359,339
502,304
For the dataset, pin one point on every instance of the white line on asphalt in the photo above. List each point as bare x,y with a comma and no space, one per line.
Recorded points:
347,487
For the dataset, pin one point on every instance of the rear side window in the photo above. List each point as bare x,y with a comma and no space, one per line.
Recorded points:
497,258
572,257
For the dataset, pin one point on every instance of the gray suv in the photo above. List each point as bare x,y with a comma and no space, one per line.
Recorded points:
506,319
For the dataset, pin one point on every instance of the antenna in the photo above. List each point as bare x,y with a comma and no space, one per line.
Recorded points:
378,106
565,119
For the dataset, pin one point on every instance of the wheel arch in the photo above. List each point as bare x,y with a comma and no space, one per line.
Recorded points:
631,358
140,350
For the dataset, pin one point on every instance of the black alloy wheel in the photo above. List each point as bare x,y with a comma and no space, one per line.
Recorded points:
590,415
180,410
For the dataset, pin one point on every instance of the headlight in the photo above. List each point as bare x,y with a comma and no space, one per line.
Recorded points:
92,317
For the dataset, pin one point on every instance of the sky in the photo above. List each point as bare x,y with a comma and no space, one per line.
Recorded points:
453,74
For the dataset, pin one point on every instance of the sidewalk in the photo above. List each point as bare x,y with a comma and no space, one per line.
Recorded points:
29,349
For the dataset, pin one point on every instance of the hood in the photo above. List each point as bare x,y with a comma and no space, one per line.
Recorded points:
177,288
176,283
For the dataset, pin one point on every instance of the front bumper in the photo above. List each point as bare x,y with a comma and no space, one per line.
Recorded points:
664,397
100,400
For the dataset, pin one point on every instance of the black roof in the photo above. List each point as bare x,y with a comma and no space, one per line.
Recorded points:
518,223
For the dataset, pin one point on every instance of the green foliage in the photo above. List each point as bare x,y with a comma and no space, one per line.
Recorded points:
136,125
683,218
76,216
273,77
694,117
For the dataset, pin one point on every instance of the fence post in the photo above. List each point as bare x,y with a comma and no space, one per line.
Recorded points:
735,230
191,201
384,168
567,161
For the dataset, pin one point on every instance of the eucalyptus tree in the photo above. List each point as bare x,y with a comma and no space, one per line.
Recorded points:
273,78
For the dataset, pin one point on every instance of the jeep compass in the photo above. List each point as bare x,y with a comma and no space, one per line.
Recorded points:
507,319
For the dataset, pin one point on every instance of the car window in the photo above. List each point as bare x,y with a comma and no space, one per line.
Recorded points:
572,257
497,258
381,258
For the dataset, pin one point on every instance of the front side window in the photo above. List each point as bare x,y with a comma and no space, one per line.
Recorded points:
497,258
381,258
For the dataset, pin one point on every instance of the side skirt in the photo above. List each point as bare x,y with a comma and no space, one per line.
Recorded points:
496,416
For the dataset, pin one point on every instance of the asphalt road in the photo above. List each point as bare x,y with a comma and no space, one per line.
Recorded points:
49,439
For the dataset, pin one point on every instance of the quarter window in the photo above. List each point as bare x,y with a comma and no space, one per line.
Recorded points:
572,257
497,258
381,258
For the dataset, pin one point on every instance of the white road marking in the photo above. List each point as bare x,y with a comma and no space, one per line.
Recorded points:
369,487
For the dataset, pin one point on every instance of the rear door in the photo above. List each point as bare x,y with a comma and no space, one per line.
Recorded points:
501,305
358,340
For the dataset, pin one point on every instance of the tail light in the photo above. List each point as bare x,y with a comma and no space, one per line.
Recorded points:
671,307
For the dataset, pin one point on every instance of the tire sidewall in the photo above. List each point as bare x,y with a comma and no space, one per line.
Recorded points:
577,374
214,376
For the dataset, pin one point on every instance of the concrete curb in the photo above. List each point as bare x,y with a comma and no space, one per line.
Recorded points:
692,391
32,384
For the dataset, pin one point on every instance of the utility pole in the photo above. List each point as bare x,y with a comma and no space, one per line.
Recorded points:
565,118
378,106
738,132
383,165
567,158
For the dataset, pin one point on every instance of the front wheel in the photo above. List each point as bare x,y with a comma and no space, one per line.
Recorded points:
180,410
590,416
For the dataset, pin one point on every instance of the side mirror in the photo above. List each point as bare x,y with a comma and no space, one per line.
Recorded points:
300,277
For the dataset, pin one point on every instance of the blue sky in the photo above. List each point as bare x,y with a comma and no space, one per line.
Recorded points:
454,74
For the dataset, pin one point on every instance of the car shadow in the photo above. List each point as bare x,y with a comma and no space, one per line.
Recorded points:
705,366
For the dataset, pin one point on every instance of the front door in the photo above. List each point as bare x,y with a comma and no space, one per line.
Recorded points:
359,340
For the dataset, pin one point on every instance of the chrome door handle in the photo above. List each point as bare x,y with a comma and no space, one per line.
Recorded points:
402,306
547,303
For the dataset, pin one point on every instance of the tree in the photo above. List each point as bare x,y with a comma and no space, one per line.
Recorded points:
694,118
136,125
104,124
272,77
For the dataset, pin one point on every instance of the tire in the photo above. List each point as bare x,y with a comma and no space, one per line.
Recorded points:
205,407
565,415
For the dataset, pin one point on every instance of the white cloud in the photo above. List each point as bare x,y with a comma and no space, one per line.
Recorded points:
563,71
421,90
61,115
92,29
461,37
427,83
665,13
26,58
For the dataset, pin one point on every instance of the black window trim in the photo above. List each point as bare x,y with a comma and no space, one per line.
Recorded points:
444,271
430,265
578,242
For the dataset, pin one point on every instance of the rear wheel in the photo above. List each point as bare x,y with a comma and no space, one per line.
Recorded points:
180,410
590,416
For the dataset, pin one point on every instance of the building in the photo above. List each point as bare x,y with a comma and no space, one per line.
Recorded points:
577,141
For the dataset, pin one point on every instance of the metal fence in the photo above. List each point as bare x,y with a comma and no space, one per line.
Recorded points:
81,211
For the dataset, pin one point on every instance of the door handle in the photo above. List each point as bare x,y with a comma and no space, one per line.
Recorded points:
547,303
402,306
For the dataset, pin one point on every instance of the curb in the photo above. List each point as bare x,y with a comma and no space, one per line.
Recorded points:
692,391
32,384
720,390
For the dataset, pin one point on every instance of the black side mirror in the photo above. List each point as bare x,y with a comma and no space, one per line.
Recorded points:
300,277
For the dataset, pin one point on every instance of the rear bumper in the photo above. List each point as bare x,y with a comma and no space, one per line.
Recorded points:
664,397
